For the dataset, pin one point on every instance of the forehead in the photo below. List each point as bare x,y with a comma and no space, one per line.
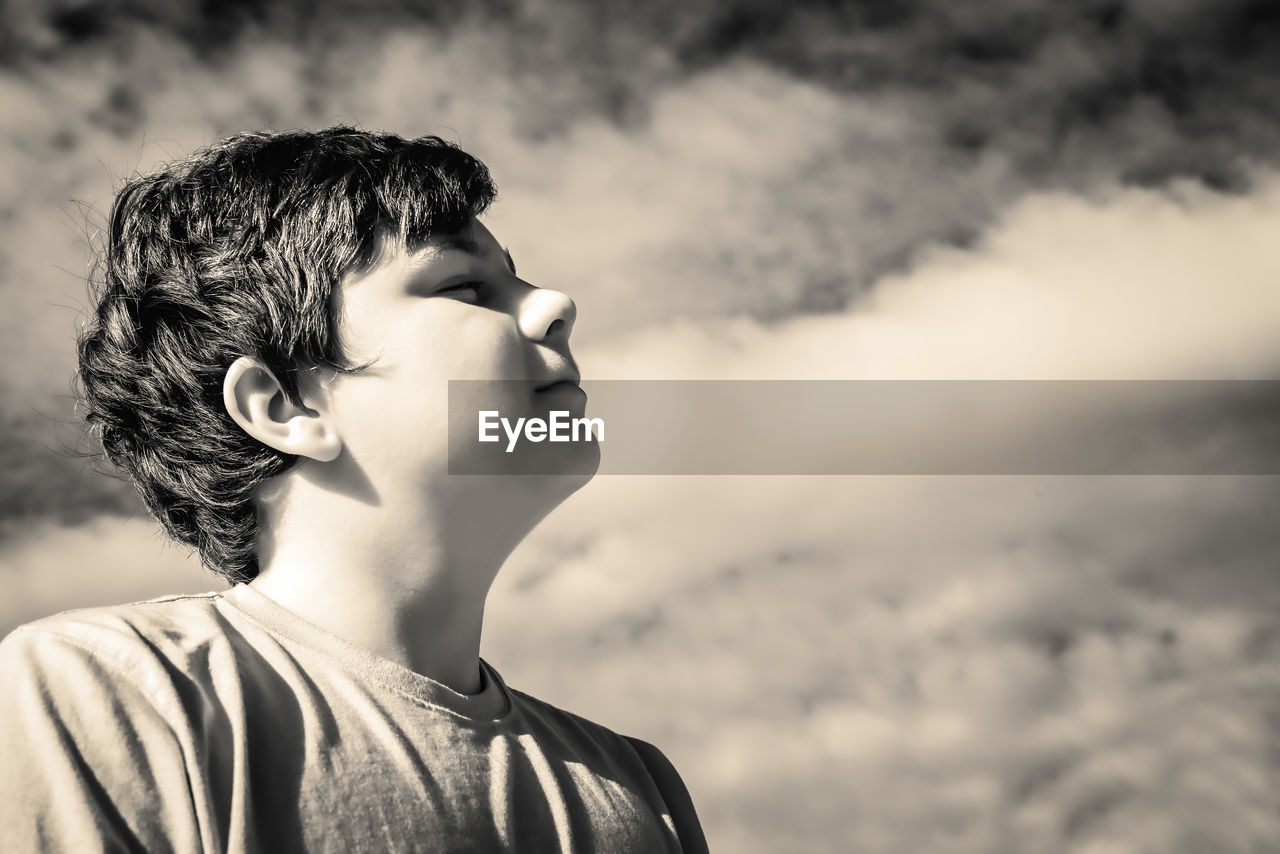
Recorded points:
473,241
441,254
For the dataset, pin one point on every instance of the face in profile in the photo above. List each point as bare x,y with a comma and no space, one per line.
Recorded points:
454,309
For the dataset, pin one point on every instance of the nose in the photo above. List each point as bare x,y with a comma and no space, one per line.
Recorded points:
545,313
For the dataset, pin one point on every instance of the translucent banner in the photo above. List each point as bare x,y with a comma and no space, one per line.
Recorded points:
817,427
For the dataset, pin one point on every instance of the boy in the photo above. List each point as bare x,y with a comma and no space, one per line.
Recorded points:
276,327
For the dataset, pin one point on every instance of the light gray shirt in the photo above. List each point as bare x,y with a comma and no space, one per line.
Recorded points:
223,722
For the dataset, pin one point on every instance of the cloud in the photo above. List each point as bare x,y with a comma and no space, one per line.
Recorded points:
958,664
733,170
104,562
1131,284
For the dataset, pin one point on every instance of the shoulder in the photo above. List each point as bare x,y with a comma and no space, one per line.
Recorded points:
134,641
568,722
676,795
540,710
656,766
165,615
93,731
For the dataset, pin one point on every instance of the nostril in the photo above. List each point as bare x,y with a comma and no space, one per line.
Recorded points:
545,313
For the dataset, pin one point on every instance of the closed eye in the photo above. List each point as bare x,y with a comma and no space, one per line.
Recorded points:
460,289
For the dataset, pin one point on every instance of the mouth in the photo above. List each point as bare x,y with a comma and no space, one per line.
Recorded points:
558,385
569,380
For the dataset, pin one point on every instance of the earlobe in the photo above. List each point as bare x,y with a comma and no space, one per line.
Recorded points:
310,436
255,400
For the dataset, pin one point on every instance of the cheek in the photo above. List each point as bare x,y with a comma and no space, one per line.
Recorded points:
481,345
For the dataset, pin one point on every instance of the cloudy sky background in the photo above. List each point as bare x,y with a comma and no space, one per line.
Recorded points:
744,190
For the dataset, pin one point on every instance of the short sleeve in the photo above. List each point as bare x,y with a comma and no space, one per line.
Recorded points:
676,796
89,764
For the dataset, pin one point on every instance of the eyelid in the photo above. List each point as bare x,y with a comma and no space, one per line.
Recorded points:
464,291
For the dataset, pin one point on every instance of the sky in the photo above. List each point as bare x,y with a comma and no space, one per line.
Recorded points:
742,190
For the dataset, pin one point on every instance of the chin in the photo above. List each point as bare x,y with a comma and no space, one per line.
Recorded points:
554,476
570,467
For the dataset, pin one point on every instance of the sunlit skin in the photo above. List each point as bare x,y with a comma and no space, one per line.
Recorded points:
368,536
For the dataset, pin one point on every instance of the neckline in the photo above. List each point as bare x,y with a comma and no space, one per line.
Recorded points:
491,705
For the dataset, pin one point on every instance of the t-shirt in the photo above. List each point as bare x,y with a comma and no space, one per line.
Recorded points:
224,722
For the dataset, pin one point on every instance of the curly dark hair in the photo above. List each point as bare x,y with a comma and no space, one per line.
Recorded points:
233,252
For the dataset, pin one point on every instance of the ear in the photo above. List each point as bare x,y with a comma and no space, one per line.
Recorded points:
255,400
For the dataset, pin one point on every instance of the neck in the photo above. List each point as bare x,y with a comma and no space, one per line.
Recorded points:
435,633
403,574
415,598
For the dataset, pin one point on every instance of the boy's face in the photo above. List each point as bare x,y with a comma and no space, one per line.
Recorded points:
453,310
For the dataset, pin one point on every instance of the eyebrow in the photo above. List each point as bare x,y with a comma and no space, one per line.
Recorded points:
462,243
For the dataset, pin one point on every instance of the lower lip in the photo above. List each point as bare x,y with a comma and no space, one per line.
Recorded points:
564,386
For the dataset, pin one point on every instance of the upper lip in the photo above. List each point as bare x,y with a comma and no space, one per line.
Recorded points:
572,377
